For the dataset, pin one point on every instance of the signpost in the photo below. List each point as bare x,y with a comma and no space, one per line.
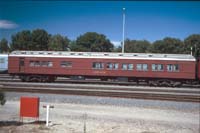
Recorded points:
47,114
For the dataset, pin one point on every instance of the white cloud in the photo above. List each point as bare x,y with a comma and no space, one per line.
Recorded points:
5,24
116,43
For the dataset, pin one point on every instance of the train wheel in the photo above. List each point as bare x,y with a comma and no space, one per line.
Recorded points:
24,78
122,79
166,83
35,79
152,83
104,79
51,78
177,84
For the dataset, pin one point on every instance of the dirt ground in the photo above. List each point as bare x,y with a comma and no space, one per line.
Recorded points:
96,118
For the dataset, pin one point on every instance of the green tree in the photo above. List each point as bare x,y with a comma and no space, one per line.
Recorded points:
167,45
94,42
117,49
40,39
73,46
21,41
136,46
2,98
58,43
4,46
192,41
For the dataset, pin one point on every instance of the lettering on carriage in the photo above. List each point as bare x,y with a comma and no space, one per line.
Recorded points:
99,72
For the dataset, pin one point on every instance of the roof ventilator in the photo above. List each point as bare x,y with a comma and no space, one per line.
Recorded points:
150,55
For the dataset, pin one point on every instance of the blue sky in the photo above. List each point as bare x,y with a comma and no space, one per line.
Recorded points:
150,20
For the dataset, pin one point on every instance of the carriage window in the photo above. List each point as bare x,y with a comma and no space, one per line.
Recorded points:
66,64
31,63
142,67
127,66
169,68
21,62
176,67
160,67
110,66
44,63
157,67
40,63
98,65
145,67
115,66
130,66
2,60
172,67
139,67
154,67
50,64
124,67
37,63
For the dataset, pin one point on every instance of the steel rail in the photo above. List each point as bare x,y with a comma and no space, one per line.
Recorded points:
153,95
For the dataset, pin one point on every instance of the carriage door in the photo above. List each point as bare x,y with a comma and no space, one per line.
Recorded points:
21,64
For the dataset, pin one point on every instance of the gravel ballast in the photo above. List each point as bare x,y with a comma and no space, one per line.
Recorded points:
102,115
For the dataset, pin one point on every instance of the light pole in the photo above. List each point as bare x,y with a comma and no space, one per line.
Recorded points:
123,29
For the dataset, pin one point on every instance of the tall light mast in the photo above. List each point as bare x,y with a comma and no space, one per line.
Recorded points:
123,29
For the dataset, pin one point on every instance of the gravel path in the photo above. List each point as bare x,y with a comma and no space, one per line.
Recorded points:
103,115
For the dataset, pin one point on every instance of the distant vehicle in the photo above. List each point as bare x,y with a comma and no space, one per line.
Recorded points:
3,63
154,69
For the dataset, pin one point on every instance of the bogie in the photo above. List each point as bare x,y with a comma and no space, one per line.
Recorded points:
37,78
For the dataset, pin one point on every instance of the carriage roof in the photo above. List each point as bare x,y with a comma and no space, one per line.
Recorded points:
107,55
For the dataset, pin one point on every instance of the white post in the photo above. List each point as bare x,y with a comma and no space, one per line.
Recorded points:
191,50
123,30
47,116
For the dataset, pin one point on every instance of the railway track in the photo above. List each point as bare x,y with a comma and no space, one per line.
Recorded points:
154,93
7,78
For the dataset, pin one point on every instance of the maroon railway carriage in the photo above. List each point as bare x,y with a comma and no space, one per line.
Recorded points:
155,69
